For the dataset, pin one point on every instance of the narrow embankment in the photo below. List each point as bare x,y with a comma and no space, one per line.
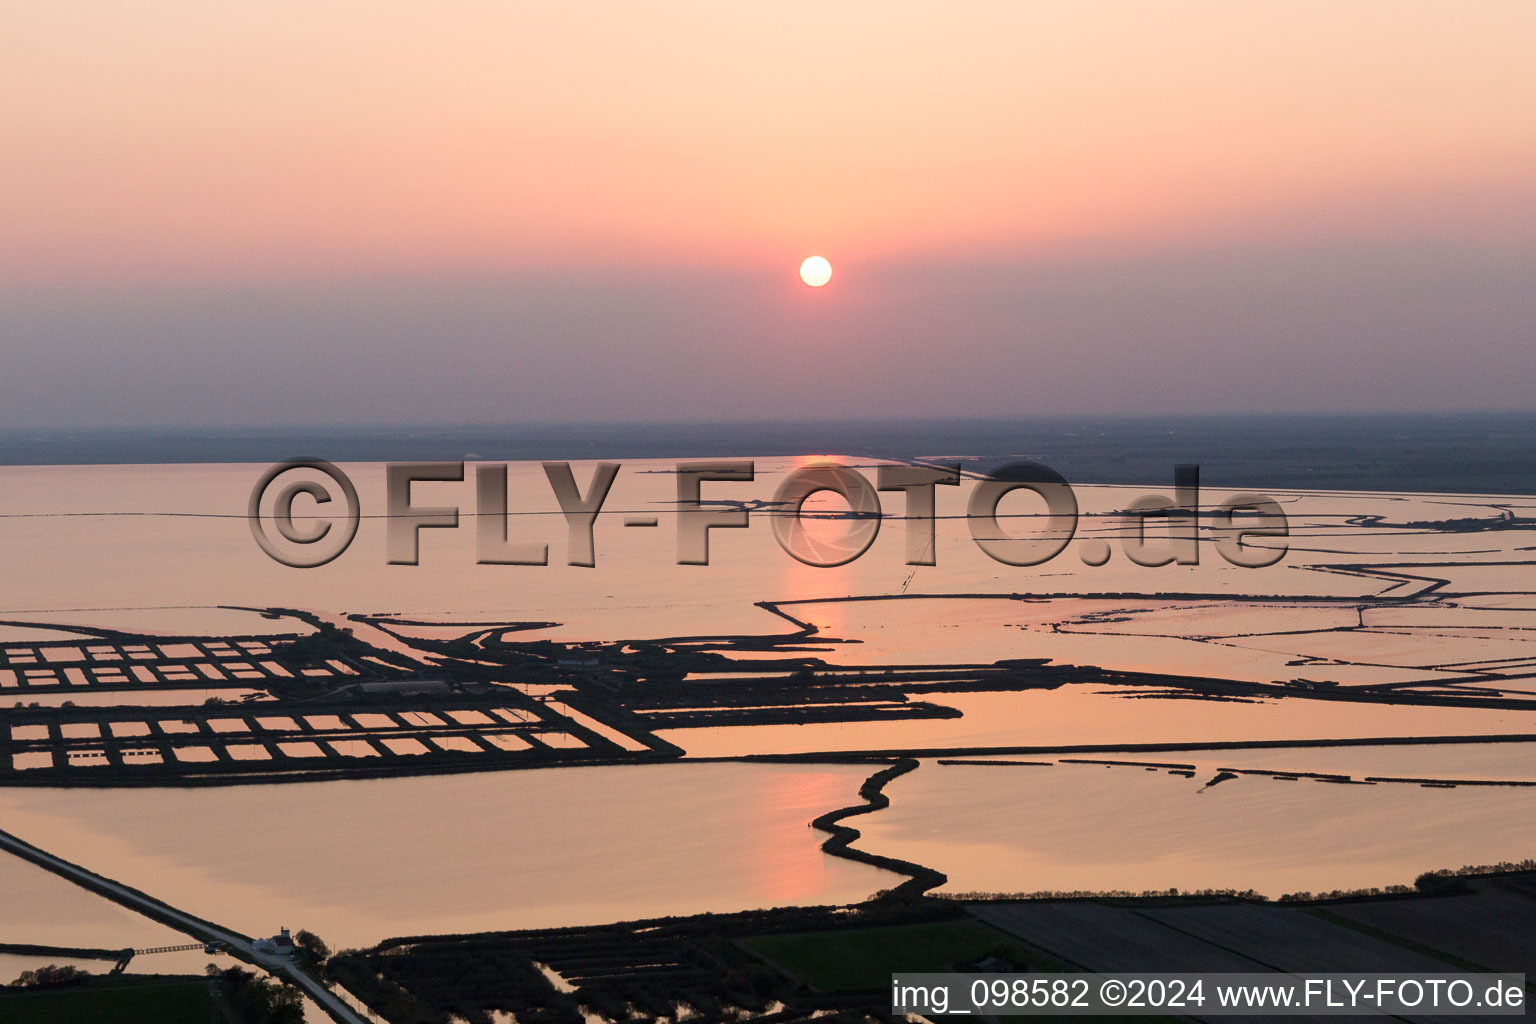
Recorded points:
921,879
200,929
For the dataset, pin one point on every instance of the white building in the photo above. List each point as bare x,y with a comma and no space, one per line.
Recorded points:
281,944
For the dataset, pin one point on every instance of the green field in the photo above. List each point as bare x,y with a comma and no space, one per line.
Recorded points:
858,959
182,1002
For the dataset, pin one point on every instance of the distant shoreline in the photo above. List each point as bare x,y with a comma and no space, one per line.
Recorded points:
1468,453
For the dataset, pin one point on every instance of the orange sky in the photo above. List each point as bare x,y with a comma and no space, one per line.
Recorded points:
338,211
178,139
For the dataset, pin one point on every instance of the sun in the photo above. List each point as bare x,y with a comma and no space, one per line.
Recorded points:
816,271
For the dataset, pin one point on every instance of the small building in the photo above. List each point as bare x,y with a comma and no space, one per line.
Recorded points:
280,944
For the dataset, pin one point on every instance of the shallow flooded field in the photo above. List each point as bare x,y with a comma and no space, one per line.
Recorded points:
1093,827
356,862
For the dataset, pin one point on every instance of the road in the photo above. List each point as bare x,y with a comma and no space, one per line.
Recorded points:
204,931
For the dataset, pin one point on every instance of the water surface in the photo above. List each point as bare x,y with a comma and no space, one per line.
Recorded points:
359,861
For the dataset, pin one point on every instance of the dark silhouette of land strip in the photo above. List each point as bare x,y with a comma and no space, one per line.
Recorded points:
836,756
1452,782
921,879
62,952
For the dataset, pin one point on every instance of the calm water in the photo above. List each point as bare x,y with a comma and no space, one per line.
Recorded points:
1095,715
44,909
1089,827
356,862
163,547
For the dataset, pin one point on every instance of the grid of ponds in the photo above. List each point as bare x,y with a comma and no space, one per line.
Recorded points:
280,736
244,661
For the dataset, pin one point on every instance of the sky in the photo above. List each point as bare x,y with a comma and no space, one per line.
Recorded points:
330,212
